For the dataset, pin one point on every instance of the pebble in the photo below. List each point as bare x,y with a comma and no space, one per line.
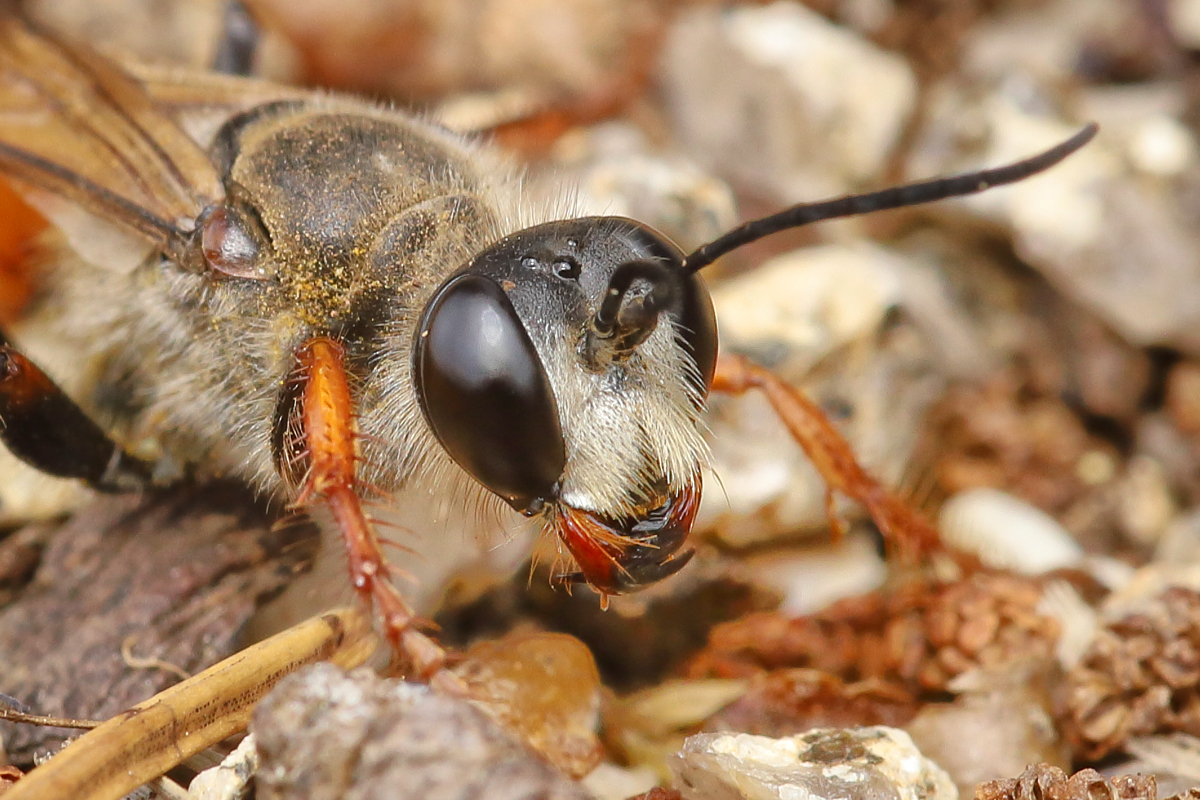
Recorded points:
229,780
1102,227
1007,533
617,172
808,302
543,687
1145,505
1010,724
1162,146
817,108
323,734
875,763
811,579
611,782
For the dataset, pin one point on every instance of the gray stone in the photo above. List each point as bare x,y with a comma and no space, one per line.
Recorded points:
326,735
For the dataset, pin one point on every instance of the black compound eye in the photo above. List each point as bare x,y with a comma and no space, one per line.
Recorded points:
484,392
698,329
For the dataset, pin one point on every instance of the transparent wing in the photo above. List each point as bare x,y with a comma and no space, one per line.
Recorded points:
75,124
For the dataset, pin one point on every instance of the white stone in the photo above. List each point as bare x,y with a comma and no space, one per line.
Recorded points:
1145,502
1099,230
229,780
610,782
1184,19
809,301
1007,533
1059,207
1162,146
810,579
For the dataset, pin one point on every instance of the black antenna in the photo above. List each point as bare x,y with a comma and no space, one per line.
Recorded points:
896,197
621,323
615,314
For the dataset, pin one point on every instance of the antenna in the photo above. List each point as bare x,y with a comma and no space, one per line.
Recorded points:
896,197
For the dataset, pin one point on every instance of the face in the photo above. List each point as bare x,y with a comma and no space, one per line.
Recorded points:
565,369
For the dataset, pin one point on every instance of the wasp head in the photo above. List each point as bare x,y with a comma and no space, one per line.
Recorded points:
565,369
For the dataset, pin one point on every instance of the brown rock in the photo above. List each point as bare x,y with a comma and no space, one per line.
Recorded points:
544,688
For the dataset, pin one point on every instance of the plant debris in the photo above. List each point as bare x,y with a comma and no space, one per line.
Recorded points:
1141,675
1044,782
180,573
918,636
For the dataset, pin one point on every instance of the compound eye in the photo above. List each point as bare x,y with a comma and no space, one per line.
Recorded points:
484,392
698,329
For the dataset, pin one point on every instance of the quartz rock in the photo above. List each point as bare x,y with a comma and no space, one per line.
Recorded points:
876,763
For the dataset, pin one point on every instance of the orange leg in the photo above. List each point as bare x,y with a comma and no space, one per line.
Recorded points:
907,532
330,454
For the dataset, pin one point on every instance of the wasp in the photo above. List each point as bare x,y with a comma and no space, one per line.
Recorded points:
335,301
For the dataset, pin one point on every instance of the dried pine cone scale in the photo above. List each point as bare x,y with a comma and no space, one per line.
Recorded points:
1140,676
1044,782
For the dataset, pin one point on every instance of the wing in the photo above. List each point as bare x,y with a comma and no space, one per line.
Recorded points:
75,124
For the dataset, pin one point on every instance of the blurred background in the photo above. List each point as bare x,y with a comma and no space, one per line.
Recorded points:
1023,365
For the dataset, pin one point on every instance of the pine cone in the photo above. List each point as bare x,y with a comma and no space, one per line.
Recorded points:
1044,782
988,620
659,794
1011,435
1140,676
791,701
919,636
